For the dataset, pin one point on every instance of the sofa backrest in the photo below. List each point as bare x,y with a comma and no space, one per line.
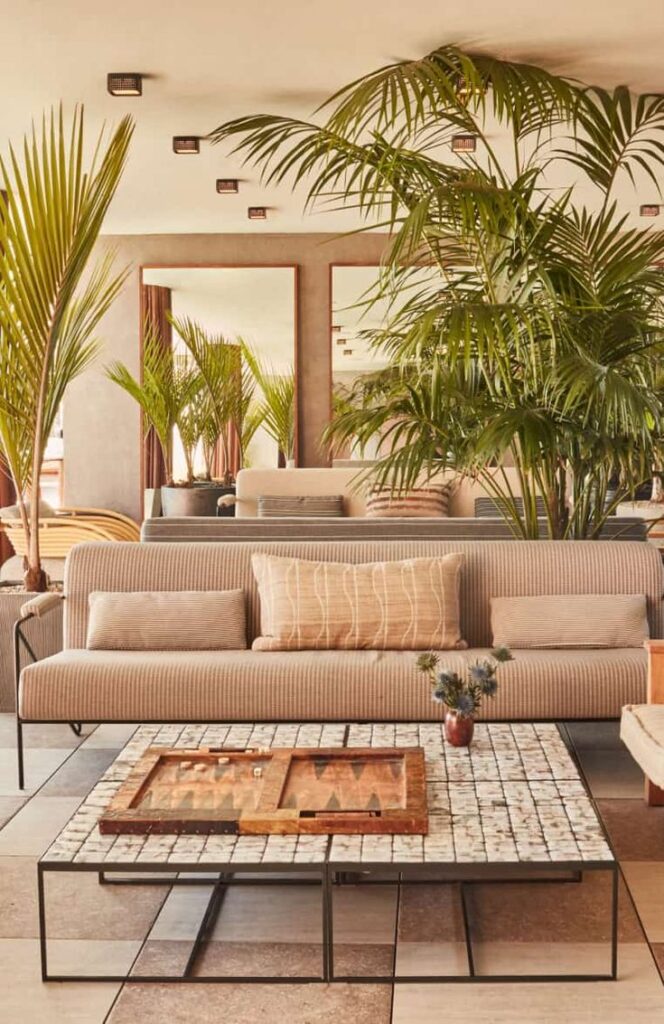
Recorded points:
491,569
251,484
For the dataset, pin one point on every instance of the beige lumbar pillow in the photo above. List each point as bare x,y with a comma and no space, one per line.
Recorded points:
417,503
570,620
411,605
183,620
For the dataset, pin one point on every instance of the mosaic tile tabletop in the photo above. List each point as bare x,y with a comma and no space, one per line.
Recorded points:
513,796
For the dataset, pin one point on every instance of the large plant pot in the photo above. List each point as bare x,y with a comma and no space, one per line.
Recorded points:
43,635
198,500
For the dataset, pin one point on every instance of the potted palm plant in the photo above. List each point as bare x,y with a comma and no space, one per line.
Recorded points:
52,209
202,394
537,338
53,202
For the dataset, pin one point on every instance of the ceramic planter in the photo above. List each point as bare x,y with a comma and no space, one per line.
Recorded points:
197,500
458,729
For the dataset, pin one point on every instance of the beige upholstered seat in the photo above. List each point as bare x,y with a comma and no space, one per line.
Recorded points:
82,685
642,732
383,685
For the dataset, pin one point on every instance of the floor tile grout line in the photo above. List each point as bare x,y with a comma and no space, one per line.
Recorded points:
123,984
30,796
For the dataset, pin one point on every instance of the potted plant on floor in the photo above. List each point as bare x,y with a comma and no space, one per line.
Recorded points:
53,201
462,694
205,396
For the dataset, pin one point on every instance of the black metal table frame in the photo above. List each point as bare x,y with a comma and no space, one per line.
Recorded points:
328,875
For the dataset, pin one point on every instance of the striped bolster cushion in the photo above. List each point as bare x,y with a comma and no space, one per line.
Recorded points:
281,506
570,620
187,620
488,508
409,605
419,502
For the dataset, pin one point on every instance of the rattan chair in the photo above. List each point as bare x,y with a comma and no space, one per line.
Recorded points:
58,533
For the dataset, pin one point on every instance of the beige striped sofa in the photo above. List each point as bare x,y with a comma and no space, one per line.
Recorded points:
79,685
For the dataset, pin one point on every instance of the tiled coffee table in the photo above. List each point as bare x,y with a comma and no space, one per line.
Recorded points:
512,806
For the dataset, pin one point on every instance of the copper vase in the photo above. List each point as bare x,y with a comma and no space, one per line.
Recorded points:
458,729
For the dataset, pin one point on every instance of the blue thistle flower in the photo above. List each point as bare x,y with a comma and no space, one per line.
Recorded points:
465,704
480,672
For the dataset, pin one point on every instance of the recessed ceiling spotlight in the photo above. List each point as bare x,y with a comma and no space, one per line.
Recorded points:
225,185
348,351
257,212
124,83
336,327
649,210
183,144
342,341
464,143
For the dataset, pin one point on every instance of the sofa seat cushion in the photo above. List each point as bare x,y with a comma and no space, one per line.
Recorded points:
135,686
642,732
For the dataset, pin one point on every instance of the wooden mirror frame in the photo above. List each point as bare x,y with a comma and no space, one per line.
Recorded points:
295,267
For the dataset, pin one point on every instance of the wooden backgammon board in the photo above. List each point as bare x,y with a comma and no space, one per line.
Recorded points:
277,790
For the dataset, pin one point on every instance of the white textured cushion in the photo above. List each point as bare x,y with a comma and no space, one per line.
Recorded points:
187,620
570,620
642,732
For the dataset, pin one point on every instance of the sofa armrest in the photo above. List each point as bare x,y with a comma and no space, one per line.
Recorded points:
655,649
40,605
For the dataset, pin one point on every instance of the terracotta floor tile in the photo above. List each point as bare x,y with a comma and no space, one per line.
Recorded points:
77,906
636,830
612,774
267,958
248,1004
636,998
646,884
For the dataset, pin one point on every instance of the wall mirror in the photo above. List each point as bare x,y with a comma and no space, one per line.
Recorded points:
354,316
252,308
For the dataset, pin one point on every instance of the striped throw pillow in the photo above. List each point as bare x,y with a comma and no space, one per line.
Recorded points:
411,605
488,508
570,621
419,503
183,620
287,506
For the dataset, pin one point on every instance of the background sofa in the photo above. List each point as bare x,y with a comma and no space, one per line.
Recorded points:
89,686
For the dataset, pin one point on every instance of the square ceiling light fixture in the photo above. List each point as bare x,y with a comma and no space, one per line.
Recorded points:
226,185
257,212
124,83
342,341
183,144
464,143
348,351
649,210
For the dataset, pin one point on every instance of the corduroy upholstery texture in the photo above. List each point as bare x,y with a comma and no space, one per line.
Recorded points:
194,686
570,620
92,685
187,620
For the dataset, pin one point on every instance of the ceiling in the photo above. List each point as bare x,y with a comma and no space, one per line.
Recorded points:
209,61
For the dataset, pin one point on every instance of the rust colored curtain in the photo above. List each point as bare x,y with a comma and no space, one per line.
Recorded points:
155,304
7,489
7,497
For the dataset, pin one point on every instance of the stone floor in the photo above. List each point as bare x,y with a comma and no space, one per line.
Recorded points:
547,927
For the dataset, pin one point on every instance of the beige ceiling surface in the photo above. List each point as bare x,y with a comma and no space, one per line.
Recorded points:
210,61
